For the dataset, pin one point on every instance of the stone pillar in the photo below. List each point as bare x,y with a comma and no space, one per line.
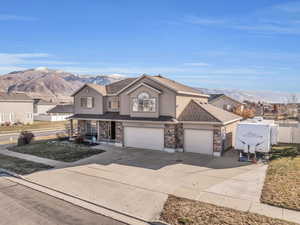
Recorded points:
217,139
170,140
103,130
180,137
81,127
119,134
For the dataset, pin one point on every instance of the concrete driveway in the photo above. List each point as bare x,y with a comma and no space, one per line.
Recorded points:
137,182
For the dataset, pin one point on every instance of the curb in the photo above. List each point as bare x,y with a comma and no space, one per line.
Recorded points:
13,174
98,209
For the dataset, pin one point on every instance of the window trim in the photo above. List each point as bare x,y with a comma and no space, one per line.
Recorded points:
86,102
150,98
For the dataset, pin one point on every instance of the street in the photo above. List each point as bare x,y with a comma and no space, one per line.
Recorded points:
14,136
23,206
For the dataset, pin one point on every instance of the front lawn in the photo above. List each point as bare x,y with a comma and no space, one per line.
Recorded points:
180,211
282,183
20,166
57,150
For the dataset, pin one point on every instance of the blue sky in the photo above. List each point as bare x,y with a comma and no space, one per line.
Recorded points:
250,45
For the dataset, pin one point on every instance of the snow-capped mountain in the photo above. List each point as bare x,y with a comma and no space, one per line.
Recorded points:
45,83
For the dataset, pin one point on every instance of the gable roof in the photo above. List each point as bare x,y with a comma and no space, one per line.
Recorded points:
62,109
15,96
178,87
42,102
214,97
197,111
173,85
115,87
145,85
98,88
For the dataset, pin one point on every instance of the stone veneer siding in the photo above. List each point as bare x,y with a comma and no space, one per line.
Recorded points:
173,136
119,132
103,130
217,139
81,127
170,136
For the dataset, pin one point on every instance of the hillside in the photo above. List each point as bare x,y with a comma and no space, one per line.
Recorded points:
50,84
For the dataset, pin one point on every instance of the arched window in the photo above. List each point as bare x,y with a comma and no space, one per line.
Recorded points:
143,103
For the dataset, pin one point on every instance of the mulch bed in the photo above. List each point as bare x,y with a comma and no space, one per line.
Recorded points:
180,211
282,183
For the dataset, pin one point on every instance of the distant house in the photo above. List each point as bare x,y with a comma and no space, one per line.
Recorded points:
56,113
15,108
225,102
41,106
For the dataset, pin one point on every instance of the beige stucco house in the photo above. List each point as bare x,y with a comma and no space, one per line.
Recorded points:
153,112
225,102
15,107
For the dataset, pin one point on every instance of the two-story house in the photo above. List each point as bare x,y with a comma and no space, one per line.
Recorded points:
153,112
15,108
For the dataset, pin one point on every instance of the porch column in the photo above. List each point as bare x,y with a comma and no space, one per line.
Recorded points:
98,130
71,132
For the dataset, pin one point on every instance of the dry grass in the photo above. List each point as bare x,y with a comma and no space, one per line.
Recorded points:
35,125
180,211
282,183
56,150
20,166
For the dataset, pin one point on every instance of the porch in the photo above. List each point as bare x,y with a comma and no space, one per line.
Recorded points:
97,130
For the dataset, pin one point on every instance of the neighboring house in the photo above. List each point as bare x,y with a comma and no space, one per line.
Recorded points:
61,112
40,106
224,102
152,112
57,113
15,108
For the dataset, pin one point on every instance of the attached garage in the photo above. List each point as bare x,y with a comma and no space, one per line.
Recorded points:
146,138
198,141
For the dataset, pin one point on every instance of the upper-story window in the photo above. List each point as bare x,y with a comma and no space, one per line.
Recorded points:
113,105
87,102
143,103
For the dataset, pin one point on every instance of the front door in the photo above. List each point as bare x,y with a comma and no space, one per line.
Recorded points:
113,130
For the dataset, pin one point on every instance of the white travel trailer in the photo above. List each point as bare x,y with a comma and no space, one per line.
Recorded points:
256,136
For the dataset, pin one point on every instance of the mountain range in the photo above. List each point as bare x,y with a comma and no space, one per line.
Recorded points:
57,85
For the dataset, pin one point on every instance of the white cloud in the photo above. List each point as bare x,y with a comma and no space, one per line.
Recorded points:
196,64
9,17
8,58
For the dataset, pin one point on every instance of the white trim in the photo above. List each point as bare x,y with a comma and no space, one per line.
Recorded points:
232,121
118,144
200,122
143,84
170,150
191,93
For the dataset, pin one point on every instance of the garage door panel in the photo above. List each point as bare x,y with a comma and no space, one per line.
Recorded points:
147,138
198,141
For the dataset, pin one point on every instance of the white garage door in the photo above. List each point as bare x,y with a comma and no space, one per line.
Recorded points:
148,138
198,141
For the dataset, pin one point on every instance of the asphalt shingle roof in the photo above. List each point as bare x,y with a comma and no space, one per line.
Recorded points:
205,112
62,109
